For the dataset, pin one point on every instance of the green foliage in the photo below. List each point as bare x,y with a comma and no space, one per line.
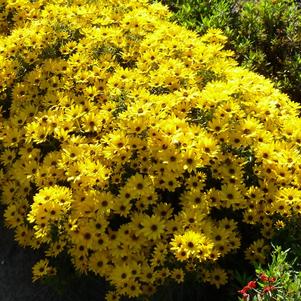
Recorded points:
203,15
289,237
265,34
288,278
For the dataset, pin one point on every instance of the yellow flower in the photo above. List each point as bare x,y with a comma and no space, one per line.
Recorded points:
205,250
120,274
194,199
250,217
24,235
112,296
192,217
56,248
132,289
98,263
159,255
153,227
177,275
279,224
228,224
192,159
191,241
218,277
257,251
281,206
122,206
12,217
232,197
7,157
181,254
42,269
164,210
138,185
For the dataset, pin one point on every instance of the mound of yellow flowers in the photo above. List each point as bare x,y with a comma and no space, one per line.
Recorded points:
122,135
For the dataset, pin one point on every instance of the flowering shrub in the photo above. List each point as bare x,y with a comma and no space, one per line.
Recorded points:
137,147
278,281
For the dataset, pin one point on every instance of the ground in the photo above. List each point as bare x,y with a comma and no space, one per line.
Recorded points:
15,276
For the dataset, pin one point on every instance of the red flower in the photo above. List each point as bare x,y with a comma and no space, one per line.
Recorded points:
252,284
244,293
244,290
269,288
264,278
249,286
272,279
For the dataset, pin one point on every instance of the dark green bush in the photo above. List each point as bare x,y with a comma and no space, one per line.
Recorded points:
265,34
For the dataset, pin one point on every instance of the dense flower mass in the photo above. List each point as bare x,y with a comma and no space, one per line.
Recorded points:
126,140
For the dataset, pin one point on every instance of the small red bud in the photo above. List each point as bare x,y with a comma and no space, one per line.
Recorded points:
272,279
264,278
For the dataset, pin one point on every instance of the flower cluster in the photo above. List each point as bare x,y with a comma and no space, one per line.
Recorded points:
123,135
262,289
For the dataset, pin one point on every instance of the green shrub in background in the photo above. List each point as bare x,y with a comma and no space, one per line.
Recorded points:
265,34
